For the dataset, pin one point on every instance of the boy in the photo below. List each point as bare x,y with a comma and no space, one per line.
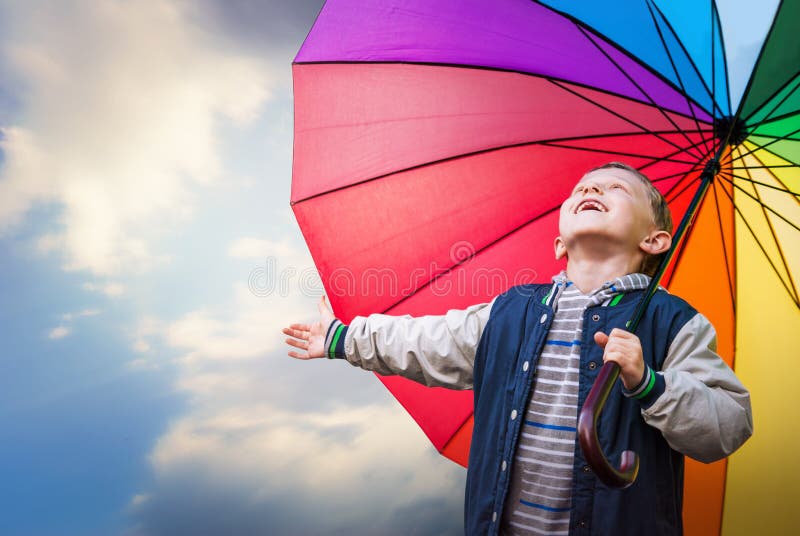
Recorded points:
531,356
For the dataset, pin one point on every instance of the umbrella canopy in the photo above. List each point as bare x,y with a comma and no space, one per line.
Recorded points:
435,141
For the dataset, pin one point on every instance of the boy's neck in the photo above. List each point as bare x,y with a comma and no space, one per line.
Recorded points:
590,274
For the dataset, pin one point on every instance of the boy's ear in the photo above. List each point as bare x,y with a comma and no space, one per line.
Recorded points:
656,242
560,248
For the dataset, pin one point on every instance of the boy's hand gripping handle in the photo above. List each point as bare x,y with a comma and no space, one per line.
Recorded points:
587,434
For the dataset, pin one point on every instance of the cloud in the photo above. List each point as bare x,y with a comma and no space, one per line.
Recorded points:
67,317
274,24
121,115
109,289
256,470
59,332
256,248
273,445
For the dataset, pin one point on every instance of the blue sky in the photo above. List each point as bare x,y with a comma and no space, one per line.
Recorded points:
145,166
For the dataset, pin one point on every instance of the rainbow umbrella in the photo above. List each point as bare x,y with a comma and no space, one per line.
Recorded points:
435,141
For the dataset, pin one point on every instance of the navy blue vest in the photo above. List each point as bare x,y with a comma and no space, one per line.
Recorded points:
515,335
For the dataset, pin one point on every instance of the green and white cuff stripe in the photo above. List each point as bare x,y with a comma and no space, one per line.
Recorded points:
334,340
649,389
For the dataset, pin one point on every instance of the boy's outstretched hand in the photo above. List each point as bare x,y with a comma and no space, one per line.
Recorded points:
310,338
623,348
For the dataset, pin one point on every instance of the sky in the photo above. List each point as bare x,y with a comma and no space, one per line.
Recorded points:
149,258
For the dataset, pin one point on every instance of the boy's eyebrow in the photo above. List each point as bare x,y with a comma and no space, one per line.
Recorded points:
617,177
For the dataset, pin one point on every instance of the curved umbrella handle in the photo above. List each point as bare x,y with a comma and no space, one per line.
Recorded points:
587,434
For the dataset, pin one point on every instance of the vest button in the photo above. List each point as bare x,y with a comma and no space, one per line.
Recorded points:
494,517
503,466
543,319
592,365
596,317
513,414
525,366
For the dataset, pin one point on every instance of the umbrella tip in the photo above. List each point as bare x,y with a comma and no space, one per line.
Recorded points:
731,129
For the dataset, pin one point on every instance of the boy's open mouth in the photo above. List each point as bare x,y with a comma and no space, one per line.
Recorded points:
590,204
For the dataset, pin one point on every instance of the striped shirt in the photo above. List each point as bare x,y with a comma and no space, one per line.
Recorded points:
540,491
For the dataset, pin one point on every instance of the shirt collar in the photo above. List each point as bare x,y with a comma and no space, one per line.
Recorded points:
607,290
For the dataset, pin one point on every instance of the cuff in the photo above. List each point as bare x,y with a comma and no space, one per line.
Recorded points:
649,389
334,340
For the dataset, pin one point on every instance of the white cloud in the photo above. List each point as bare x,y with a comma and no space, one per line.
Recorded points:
59,332
257,248
265,435
141,346
347,462
110,289
121,115
248,329
67,317
139,499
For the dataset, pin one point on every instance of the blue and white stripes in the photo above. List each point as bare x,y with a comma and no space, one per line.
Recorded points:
540,493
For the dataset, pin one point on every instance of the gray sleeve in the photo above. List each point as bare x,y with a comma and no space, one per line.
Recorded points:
704,411
432,350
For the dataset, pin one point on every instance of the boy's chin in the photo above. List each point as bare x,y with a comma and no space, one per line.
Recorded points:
599,239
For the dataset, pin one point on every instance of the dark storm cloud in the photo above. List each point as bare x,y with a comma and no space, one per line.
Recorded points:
194,503
263,24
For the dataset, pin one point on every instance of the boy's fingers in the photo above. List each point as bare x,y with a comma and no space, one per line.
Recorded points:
298,356
323,306
297,344
301,327
621,333
296,333
601,339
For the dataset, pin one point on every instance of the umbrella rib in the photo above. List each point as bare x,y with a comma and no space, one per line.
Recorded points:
758,200
652,6
582,24
470,257
714,76
787,115
631,121
632,81
766,255
757,64
724,248
715,14
467,155
765,166
703,140
657,26
758,146
785,137
764,209
670,176
671,196
507,70
767,118
617,153
778,188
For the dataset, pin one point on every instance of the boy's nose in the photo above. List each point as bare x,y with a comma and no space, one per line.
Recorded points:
591,187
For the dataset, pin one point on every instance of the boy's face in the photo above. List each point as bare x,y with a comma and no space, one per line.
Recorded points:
609,205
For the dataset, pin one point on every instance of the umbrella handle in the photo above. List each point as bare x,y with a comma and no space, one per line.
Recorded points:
587,434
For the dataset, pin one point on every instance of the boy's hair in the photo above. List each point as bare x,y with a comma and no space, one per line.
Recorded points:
662,217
